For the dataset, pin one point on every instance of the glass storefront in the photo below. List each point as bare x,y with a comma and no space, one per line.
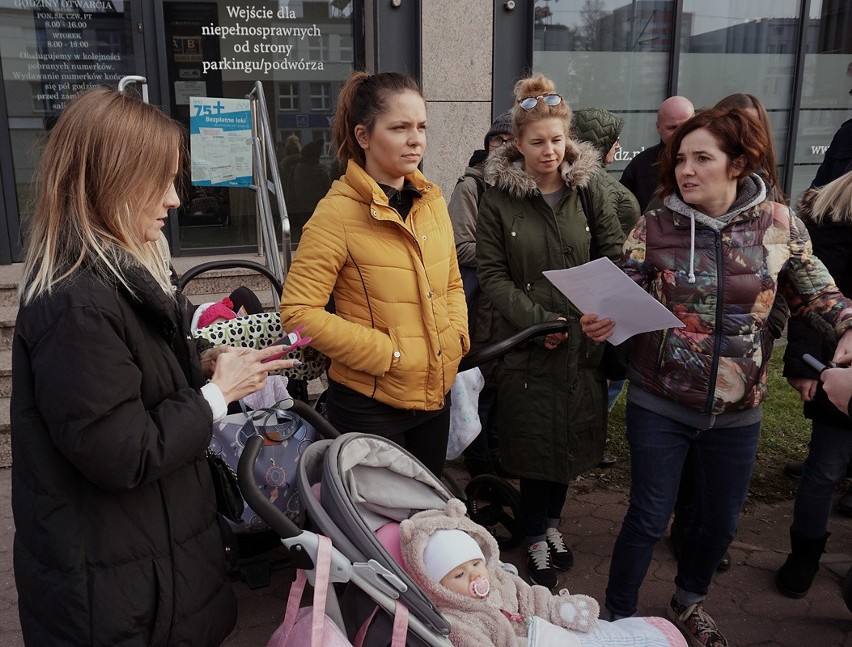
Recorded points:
827,83
622,55
49,50
301,51
612,55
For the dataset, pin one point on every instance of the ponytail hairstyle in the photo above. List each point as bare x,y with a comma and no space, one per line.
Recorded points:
739,136
536,86
109,159
769,170
362,100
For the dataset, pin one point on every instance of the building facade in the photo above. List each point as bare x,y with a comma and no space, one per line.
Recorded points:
624,55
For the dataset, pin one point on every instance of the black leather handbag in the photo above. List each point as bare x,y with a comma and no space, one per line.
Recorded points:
229,499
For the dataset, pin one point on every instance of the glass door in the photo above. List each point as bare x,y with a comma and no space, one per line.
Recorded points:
302,52
48,52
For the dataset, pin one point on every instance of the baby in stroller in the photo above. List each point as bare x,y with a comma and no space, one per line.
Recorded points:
456,563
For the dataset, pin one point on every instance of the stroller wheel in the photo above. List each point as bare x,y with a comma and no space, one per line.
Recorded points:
496,505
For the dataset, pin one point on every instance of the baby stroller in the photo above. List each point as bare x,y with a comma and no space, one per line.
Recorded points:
252,542
355,486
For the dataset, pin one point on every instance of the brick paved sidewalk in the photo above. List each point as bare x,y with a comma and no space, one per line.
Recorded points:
742,600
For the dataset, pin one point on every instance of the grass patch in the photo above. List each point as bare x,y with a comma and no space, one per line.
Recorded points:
784,437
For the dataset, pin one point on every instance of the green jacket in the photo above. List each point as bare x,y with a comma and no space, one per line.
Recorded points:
552,403
602,129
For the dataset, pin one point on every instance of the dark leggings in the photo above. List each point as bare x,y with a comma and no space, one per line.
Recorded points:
541,501
428,442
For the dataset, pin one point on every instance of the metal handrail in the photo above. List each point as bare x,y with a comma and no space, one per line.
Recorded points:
134,78
262,142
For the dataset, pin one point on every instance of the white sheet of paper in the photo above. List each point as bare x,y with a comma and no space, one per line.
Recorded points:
601,287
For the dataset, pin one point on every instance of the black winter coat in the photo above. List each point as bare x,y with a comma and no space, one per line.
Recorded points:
117,540
642,176
832,240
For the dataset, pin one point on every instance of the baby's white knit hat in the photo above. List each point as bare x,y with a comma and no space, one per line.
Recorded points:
446,549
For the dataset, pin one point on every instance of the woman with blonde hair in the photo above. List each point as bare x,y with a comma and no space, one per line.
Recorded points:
827,213
381,243
117,537
552,395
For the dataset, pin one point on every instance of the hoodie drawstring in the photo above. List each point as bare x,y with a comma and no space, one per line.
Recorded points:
691,248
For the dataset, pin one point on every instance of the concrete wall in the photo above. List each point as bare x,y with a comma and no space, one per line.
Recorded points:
456,77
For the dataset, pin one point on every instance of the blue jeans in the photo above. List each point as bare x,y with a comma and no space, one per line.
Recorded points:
612,393
829,454
658,446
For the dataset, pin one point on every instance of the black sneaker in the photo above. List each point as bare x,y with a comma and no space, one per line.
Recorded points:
539,567
560,555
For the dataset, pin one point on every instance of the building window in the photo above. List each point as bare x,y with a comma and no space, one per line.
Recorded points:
318,47
321,97
288,96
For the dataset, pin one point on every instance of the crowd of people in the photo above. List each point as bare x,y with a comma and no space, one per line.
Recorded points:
114,399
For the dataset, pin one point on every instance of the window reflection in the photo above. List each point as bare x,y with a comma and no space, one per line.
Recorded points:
609,53
300,96
827,80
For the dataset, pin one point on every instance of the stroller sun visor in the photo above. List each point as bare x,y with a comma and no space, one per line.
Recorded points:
385,484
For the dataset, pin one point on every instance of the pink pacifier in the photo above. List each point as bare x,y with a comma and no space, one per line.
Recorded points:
479,588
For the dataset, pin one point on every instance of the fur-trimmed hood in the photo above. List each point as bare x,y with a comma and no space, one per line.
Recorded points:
505,168
805,211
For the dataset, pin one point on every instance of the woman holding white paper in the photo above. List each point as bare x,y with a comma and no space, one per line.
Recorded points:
715,255
552,394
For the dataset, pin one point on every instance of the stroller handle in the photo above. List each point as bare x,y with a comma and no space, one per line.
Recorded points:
315,419
488,353
192,272
277,520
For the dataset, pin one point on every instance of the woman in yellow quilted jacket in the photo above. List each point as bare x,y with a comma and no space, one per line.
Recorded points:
381,244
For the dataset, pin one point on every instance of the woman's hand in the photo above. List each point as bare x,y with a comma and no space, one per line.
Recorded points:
837,384
598,330
209,356
843,352
555,338
806,387
239,371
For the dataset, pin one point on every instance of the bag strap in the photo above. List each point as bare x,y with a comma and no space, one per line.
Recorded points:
400,626
589,209
321,575
480,184
293,601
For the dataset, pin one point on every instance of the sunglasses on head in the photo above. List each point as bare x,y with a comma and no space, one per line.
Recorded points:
552,99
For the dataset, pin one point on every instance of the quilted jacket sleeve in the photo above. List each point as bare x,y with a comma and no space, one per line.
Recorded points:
809,288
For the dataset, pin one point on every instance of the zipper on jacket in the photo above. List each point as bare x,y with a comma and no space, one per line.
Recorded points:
717,340
660,348
369,309
440,351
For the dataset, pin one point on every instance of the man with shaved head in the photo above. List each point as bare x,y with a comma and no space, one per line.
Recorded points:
642,177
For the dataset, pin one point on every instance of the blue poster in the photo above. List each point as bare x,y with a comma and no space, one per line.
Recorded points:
220,141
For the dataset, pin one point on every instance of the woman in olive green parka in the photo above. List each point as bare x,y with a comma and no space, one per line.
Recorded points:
552,398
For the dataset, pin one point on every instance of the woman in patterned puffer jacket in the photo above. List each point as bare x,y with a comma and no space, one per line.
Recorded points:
715,255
